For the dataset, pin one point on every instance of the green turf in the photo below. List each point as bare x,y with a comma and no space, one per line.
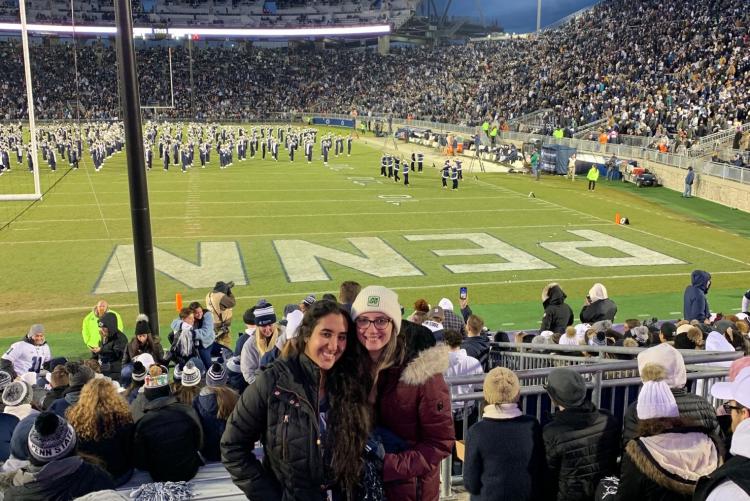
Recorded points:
53,255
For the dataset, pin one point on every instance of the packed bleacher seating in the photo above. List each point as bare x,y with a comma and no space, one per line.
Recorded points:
218,13
126,422
672,74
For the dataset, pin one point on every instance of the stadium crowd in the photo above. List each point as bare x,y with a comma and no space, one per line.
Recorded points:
680,73
349,401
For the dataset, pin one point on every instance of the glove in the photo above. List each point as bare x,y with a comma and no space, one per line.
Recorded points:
374,448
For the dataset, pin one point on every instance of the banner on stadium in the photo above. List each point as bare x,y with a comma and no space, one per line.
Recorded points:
334,122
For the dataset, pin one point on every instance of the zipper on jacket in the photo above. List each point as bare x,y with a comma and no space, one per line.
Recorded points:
284,435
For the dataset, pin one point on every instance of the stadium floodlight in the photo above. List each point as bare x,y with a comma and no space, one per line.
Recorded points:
375,29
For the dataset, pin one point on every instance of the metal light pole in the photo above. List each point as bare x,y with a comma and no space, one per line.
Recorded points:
139,208
538,15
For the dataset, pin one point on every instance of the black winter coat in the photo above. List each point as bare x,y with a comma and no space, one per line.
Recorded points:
116,452
62,480
557,314
604,309
8,423
53,395
693,408
167,440
513,472
70,397
281,409
581,445
111,353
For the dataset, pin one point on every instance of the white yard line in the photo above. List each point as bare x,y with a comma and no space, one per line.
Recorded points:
334,289
236,236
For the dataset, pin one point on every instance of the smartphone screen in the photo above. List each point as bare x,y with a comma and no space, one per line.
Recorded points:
462,293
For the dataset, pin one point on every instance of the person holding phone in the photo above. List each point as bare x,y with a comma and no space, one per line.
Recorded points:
598,306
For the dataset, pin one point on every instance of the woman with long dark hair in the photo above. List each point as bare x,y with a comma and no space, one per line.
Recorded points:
310,410
214,404
409,395
143,342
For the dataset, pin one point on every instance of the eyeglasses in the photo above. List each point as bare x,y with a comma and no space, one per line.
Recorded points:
728,408
380,323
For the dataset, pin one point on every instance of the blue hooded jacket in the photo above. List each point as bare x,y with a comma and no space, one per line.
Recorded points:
695,306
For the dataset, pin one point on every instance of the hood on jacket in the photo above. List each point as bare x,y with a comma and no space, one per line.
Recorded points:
675,461
741,440
553,294
699,279
109,320
427,363
598,292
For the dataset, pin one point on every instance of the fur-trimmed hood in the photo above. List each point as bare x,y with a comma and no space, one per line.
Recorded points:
675,461
425,365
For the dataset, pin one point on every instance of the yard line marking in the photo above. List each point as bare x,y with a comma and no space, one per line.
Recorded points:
317,233
285,201
306,214
334,289
630,227
675,313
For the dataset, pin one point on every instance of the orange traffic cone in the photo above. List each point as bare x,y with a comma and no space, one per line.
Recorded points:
178,301
617,218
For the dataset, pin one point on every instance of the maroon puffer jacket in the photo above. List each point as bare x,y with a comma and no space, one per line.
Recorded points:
414,403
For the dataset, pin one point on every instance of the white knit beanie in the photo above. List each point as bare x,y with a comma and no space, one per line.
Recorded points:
655,399
378,299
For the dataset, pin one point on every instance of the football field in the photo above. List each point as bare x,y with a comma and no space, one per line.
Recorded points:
282,230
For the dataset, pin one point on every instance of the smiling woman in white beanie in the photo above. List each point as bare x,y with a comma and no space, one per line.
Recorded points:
410,396
669,454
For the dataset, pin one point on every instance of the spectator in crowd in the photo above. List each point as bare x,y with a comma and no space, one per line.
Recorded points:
405,387
262,341
8,422
168,438
461,364
557,314
17,398
187,388
78,376
693,408
434,322
55,471
667,456
138,376
348,291
581,442
598,306
90,328
421,311
205,332
249,319
183,341
667,332
296,417
58,382
214,404
695,302
143,342
516,470
732,480
217,315
450,319
111,348
476,343
104,427
27,355
235,379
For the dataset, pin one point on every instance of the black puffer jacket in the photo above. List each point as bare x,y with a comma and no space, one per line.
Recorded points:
603,309
582,445
67,478
112,347
167,440
281,409
693,409
557,314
